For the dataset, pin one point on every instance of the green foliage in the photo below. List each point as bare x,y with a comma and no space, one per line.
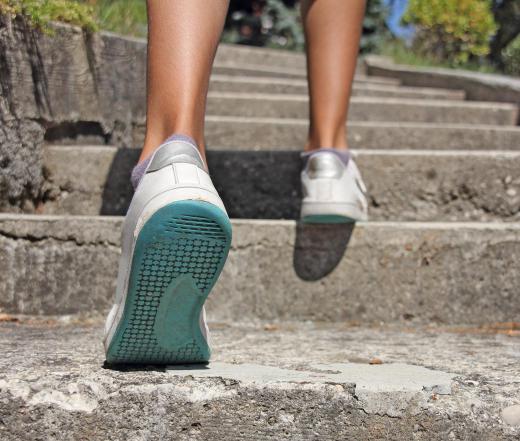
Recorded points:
451,30
284,26
39,13
268,23
375,29
511,57
122,16
401,54
279,25
507,18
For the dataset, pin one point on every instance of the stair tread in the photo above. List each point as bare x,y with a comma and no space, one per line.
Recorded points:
406,185
304,375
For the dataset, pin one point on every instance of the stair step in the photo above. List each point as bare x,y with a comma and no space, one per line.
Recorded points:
402,184
376,272
365,108
238,133
247,84
239,54
283,382
284,72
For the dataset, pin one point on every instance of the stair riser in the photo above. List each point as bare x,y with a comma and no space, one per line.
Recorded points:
300,88
263,71
405,186
448,273
273,134
280,106
227,53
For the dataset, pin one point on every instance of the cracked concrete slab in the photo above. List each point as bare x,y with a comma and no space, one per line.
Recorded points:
396,377
283,381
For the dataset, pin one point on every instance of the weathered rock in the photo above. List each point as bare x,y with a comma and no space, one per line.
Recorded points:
66,84
20,134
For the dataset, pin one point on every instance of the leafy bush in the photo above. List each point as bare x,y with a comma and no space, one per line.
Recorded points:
451,30
511,57
40,13
277,23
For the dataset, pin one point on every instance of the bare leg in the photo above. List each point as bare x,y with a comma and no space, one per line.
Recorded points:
332,32
182,40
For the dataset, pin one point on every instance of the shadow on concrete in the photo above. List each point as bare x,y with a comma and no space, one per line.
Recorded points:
118,191
122,367
319,248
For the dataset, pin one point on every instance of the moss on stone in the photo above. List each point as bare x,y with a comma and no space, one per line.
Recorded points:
40,13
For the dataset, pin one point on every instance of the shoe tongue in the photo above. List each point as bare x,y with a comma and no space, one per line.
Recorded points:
343,155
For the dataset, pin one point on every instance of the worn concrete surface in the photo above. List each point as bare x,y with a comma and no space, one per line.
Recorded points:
402,185
237,84
266,381
238,132
415,272
269,71
266,105
241,54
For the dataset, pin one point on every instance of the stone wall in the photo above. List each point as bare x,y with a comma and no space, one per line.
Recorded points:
62,86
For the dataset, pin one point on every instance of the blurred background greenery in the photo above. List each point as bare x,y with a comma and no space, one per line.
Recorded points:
472,34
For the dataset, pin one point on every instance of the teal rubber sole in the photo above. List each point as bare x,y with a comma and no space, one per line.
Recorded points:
327,219
178,257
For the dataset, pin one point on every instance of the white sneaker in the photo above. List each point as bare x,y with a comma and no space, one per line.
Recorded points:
176,237
333,191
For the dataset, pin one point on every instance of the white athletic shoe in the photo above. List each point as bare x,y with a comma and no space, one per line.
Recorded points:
176,237
333,191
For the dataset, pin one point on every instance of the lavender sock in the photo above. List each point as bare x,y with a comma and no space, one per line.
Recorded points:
138,172
344,155
140,169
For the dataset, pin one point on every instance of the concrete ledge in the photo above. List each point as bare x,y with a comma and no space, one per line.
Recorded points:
267,71
234,53
423,272
281,382
365,109
478,86
402,184
237,84
235,133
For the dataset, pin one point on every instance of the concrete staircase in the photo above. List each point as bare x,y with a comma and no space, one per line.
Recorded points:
404,327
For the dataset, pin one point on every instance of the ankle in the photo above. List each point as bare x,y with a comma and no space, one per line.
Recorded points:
154,141
333,139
